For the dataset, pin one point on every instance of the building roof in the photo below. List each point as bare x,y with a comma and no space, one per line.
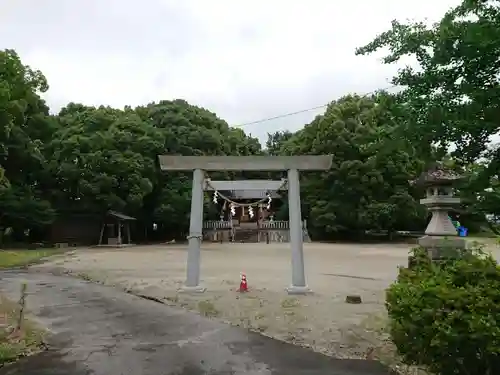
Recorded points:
252,194
121,216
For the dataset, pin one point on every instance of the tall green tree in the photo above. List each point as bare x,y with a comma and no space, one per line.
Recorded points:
188,130
276,140
103,158
25,125
367,186
453,94
480,193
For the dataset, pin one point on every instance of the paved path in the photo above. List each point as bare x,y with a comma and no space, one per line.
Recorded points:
100,330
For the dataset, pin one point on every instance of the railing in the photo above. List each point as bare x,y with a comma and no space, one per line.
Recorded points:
218,230
269,236
217,224
279,231
274,231
279,225
268,231
275,225
264,225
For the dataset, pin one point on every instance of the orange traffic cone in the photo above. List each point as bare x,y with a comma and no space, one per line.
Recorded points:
243,284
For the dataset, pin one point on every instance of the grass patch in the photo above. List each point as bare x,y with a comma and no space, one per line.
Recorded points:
208,309
14,343
20,258
288,303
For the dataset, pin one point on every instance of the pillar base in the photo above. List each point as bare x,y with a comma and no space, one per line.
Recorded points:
439,247
292,290
192,289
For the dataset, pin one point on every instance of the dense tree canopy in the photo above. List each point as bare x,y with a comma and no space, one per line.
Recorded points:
90,160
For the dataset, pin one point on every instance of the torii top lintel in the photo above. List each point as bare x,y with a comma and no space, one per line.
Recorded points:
245,163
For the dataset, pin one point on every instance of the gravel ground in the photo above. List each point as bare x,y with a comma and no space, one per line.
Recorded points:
322,320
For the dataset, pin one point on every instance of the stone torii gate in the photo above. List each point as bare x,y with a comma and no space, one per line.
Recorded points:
200,164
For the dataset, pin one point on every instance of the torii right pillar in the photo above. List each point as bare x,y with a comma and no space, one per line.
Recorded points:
299,285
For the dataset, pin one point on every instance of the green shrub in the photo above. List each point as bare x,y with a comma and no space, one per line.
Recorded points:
445,316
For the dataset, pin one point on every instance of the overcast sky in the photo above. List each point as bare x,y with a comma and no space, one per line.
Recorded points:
244,60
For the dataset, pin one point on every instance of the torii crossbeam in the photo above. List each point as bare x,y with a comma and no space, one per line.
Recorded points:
199,164
259,185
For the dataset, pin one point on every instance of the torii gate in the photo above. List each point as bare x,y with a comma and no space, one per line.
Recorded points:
200,164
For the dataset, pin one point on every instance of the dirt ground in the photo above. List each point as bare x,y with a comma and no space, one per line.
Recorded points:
321,320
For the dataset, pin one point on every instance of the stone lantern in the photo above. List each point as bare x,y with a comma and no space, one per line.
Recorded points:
440,233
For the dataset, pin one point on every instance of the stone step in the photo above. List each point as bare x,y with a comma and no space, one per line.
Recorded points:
246,235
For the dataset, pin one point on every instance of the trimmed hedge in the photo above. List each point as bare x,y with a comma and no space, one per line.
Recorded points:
445,316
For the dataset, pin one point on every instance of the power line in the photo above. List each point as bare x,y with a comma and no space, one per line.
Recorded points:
305,110
281,116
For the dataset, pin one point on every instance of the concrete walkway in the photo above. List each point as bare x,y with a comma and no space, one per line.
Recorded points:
100,330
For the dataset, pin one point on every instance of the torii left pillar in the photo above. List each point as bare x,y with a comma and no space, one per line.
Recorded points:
199,164
195,234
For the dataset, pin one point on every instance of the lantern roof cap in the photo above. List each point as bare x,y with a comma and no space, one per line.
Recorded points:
437,174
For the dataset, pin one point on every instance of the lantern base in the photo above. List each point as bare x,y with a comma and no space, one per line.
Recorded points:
439,247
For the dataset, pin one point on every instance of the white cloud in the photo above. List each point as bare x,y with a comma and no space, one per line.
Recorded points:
242,60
